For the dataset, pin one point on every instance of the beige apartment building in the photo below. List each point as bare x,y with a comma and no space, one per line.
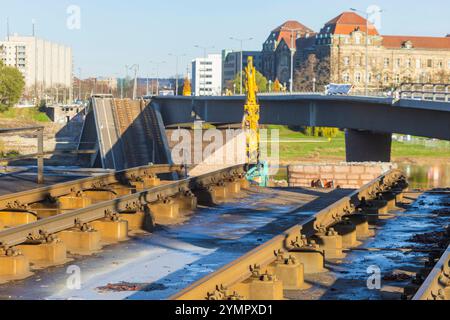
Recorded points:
392,60
47,67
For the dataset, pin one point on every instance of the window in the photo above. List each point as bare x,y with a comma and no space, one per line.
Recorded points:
357,39
399,62
448,64
347,61
397,78
386,62
418,64
369,77
386,78
409,63
346,77
358,77
430,63
440,64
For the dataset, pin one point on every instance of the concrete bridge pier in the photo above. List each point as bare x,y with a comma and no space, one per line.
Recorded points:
368,146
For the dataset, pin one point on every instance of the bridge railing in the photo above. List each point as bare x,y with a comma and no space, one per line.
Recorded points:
377,94
424,91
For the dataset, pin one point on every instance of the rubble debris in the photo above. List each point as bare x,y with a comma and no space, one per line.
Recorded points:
442,212
398,277
429,238
132,287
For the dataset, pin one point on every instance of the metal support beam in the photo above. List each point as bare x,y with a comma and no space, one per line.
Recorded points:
40,157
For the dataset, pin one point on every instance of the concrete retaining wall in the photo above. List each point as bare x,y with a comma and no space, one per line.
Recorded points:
343,175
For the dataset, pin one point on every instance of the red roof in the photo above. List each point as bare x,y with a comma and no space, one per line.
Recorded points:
395,42
348,22
285,31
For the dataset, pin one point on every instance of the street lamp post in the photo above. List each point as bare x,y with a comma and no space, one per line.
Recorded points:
79,84
293,51
124,81
241,67
177,57
135,67
157,64
204,48
367,15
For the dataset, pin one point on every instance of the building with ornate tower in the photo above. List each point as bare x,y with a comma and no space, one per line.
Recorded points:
341,44
277,50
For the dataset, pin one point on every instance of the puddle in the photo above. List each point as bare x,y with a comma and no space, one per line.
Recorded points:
416,228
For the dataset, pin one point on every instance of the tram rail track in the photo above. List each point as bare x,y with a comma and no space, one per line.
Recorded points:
15,236
437,285
111,219
257,274
21,200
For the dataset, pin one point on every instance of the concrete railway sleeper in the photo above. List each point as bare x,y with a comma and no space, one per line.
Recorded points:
282,263
41,243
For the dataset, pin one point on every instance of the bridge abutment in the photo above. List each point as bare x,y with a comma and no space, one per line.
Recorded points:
368,146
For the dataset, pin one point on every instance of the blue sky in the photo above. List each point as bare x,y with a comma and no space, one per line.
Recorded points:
115,33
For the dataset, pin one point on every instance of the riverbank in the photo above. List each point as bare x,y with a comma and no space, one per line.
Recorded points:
297,147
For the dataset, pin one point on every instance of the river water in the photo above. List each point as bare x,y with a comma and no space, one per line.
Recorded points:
427,176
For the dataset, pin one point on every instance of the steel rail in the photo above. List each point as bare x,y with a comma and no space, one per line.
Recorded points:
18,235
437,285
239,270
21,199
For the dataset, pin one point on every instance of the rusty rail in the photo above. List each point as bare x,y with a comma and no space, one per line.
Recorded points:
437,284
21,199
239,270
18,235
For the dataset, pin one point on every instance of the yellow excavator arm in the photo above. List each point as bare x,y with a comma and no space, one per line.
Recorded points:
250,123
259,173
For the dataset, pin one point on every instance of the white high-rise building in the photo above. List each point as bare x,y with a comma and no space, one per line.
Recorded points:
207,75
45,63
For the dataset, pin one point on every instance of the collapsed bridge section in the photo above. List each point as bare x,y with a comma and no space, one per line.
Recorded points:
128,133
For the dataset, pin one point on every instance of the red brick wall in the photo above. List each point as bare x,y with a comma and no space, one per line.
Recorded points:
344,175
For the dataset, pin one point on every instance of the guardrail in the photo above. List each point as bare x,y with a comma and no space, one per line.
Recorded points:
40,154
424,91
40,149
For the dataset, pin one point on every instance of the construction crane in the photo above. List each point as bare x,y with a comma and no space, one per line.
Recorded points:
258,170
